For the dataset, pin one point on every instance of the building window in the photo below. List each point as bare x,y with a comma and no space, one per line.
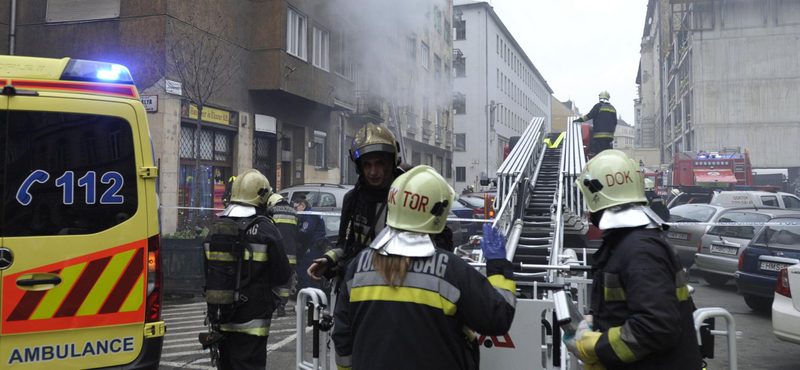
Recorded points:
447,73
460,65
437,66
411,47
425,53
319,149
321,46
345,67
459,103
461,30
497,42
447,37
461,142
437,19
461,174
296,34
448,173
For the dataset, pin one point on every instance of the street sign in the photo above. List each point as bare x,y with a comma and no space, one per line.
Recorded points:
150,103
174,87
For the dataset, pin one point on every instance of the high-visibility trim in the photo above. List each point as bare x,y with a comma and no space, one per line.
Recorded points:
284,221
30,300
402,294
500,281
259,252
511,298
257,327
220,256
343,367
344,362
606,109
128,91
136,296
618,345
82,287
586,347
682,293
125,283
102,288
614,294
553,145
47,308
603,136
412,280
332,254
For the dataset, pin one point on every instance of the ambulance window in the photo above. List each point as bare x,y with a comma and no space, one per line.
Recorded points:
770,201
791,202
67,174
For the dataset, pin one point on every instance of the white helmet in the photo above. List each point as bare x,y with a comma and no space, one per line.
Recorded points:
649,184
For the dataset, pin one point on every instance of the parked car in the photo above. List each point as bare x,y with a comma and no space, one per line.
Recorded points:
773,248
332,222
718,252
464,207
318,195
737,198
685,238
786,306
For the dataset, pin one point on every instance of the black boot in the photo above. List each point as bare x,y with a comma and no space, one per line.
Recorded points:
281,311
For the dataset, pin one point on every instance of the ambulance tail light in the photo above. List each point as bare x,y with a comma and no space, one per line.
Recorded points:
155,284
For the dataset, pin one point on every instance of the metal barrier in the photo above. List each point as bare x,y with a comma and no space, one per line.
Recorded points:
573,161
315,311
701,314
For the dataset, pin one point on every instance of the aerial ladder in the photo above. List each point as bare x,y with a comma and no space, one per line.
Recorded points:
538,207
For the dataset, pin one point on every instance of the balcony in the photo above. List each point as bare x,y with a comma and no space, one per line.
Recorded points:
439,134
426,129
411,122
448,138
369,107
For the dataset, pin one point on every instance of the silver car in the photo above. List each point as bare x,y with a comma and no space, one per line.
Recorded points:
686,238
720,247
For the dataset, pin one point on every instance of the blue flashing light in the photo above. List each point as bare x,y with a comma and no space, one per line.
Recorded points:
110,75
701,157
91,71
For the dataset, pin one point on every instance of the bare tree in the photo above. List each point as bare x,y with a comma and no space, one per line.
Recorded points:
199,57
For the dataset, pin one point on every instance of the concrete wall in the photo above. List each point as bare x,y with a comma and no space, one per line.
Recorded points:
651,157
559,114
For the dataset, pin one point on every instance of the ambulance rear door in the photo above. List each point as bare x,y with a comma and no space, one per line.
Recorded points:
75,221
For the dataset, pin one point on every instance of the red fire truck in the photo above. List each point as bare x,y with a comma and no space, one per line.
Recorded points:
723,169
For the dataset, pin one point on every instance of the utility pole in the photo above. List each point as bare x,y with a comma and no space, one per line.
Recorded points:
489,120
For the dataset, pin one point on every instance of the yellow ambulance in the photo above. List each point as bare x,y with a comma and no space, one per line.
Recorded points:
80,263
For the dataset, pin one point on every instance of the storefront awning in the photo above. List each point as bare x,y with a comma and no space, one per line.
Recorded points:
714,176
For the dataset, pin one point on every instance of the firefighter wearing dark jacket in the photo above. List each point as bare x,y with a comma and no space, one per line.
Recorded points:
641,307
374,151
285,218
405,303
246,331
604,118
312,239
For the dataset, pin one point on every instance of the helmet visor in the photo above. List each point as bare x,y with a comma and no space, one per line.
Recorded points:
385,148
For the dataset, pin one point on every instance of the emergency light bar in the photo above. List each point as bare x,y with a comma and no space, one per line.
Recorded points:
91,71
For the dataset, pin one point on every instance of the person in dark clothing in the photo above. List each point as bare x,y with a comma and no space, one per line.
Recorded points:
246,330
375,153
311,238
656,201
285,218
641,306
604,118
409,305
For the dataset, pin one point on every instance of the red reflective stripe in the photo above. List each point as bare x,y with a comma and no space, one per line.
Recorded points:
82,287
28,303
121,90
125,283
3,82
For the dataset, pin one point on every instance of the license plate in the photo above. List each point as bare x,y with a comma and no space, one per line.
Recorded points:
772,266
677,235
724,250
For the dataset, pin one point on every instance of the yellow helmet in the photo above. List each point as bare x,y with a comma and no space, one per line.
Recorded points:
611,179
251,188
371,139
419,201
273,200
649,184
605,95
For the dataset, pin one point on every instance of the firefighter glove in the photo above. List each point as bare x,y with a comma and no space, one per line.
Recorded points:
583,343
577,120
493,243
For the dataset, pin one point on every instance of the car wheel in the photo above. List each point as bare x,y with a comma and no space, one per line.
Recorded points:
758,304
715,280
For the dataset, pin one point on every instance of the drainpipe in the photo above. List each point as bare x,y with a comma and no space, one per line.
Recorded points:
13,29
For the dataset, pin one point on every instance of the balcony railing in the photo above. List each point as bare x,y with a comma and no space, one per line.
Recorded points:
426,129
411,123
369,107
439,135
448,138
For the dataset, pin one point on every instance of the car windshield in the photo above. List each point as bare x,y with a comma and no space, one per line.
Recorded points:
687,213
738,231
783,236
472,201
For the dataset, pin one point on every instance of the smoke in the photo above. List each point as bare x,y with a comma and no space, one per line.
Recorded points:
378,42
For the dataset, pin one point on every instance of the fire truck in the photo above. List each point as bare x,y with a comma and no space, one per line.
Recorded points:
721,170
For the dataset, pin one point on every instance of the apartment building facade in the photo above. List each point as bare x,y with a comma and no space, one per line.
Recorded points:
721,76
497,90
300,89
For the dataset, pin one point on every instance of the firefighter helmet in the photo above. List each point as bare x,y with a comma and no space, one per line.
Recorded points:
251,188
605,95
372,138
611,179
649,185
273,200
419,201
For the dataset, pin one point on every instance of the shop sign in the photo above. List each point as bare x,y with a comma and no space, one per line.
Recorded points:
213,115
173,87
266,124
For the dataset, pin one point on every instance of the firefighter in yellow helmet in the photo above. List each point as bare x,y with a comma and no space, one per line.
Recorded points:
604,123
285,218
375,153
405,302
244,320
642,310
